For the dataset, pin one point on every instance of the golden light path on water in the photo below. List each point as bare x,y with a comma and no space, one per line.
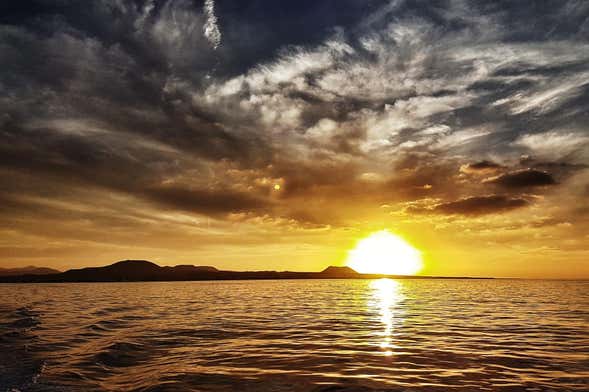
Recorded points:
387,298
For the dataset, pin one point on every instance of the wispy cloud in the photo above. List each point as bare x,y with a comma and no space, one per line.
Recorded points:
211,27
556,145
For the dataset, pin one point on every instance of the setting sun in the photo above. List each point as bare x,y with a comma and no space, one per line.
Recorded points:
385,253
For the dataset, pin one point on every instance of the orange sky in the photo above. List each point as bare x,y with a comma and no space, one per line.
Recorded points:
520,243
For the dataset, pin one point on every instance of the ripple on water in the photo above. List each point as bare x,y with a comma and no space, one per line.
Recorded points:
19,367
315,336
122,354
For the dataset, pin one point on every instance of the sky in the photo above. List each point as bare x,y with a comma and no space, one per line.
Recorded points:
269,134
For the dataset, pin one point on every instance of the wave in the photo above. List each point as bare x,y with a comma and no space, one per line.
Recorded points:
319,336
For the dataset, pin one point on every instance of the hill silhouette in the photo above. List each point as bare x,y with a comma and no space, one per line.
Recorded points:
135,270
144,270
339,271
31,270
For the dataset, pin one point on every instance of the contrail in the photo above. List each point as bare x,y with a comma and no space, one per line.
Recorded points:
211,28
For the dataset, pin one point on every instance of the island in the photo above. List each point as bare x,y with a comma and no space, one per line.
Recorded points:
146,271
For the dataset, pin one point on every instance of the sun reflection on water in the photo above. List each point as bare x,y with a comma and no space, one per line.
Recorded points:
386,297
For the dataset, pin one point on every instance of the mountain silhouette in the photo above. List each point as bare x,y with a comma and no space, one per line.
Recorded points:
31,269
144,270
135,270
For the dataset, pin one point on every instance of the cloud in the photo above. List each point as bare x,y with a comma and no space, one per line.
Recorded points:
476,205
551,97
208,202
211,27
480,167
555,145
522,179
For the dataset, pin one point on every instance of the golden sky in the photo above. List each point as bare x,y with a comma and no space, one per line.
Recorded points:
256,139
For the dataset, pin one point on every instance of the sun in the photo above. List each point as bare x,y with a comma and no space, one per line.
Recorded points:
385,253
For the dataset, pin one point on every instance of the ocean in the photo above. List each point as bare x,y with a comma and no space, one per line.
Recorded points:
296,335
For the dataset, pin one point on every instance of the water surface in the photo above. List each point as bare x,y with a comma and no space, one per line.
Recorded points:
296,335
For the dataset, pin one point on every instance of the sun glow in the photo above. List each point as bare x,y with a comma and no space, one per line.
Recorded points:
385,253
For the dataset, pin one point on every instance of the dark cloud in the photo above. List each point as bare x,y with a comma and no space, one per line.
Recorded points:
480,167
480,205
557,168
49,159
521,69
207,202
522,179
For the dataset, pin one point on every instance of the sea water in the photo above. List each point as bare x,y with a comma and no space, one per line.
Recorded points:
296,335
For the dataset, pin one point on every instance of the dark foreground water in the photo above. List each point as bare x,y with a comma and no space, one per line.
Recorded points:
313,335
